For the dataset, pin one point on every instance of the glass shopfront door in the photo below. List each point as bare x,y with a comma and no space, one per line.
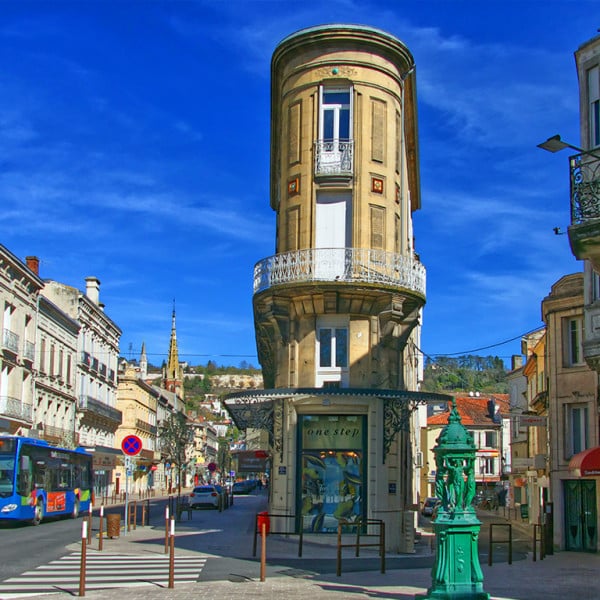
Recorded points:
331,471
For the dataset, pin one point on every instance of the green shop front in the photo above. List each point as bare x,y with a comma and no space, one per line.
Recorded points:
338,455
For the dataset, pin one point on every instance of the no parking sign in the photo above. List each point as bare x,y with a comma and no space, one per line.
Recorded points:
131,445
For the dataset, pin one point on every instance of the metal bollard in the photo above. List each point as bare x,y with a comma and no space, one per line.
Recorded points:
82,564
172,555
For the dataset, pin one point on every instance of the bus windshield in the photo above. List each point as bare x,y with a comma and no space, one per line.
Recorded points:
7,469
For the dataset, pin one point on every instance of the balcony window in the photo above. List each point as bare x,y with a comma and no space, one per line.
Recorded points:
334,148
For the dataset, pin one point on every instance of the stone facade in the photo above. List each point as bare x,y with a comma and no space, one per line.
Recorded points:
337,309
572,397
19,290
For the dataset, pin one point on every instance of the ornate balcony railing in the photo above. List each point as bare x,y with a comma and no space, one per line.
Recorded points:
58,435
585,187
87,403
28,350
13,407
144,426
350,265
10,340
334,157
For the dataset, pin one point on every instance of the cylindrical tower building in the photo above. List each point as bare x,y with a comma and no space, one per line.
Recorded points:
337,308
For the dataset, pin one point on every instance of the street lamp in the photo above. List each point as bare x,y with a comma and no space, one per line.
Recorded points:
556,144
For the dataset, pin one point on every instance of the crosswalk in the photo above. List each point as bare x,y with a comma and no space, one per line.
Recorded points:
103,571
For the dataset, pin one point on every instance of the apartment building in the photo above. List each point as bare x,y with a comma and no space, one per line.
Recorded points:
19,291
95,370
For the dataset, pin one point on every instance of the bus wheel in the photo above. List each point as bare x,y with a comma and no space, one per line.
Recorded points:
75,511
38,513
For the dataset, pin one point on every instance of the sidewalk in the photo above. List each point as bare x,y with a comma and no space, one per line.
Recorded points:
556,577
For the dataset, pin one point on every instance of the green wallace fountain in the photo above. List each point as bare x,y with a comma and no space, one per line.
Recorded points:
456,573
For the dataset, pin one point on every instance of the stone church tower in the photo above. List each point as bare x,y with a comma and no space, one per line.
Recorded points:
172,370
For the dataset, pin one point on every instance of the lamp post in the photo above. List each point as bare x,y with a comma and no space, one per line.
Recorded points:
556,144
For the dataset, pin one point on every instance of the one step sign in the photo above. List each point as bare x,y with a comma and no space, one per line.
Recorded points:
131,445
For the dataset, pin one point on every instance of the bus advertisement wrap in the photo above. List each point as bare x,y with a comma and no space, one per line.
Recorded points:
38,479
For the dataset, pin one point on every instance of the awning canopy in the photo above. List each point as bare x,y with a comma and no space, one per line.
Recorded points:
586,463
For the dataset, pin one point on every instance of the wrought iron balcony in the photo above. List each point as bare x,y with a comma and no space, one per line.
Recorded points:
347,265
585,187
14,408
89,404
58,435
10,341
28,350
144,426
334,157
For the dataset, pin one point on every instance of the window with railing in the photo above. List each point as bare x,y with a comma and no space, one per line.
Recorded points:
29,350
10,340
334,148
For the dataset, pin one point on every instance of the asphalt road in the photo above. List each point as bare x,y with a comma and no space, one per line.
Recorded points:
226,538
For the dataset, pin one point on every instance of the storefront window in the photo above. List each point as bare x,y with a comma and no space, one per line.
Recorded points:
332,471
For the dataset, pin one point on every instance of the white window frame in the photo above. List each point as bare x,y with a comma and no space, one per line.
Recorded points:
333,373
336,108
573,342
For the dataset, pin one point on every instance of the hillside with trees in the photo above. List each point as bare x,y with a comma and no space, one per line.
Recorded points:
465,374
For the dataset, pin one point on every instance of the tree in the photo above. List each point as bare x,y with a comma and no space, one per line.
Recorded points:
176,436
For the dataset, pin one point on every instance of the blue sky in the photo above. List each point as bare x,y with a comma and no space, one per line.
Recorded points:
134,146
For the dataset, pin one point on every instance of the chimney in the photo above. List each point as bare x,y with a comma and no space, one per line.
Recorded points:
516,361
92,289
33,264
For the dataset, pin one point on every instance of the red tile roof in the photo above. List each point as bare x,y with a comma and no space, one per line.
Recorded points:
473,410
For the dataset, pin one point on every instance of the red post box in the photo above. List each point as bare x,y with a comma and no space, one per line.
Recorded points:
263,519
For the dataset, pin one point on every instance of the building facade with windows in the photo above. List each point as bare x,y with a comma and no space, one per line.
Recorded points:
95,371
572,397
55,407
19,291
138,403
533,423
487,418
337,308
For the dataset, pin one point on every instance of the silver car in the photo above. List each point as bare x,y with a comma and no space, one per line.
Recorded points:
204,495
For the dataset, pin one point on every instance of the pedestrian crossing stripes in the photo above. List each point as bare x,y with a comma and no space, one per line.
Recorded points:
103,571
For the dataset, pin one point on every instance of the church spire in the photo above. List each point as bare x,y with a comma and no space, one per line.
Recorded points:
143,362
173,376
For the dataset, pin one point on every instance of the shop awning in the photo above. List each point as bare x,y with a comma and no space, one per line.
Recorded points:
586,463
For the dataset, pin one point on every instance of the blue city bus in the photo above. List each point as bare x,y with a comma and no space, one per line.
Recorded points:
38,480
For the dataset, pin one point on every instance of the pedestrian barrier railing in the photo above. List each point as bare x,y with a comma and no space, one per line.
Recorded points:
361,526
265,517
119,497
493,541
262,527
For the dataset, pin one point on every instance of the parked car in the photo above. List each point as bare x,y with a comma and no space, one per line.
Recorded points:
242,487
205,495
429,506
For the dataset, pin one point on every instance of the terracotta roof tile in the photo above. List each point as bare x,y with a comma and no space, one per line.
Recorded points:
473,410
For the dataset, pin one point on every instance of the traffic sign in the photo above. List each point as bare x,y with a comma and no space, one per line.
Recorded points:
131,445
